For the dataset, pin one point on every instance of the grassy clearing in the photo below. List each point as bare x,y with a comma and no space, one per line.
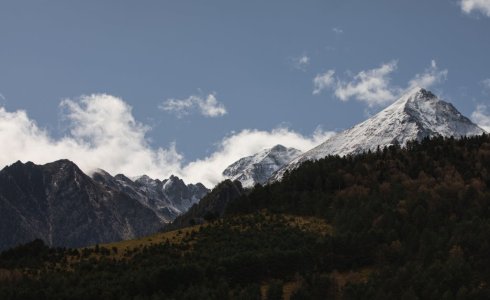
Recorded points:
174,237
310,224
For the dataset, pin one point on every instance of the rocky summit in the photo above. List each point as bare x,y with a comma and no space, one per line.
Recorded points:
259,167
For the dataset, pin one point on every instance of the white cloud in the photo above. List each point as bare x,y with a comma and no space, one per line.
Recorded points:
481,116
373,86
337,30
102,133
482,6
301,62
429,77
209,106
323,81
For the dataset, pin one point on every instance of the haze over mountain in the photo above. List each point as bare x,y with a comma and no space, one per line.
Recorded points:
415,115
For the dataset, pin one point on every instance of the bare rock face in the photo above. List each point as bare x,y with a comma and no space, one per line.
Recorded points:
61,205
167,199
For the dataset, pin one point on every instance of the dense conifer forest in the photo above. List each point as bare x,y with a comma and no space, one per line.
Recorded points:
411,223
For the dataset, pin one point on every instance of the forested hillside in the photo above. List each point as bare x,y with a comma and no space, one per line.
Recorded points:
419,215
408,223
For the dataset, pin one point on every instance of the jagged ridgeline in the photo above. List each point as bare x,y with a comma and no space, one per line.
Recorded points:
63,206
408,223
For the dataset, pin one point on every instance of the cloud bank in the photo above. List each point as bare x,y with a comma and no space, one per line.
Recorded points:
102,133
373,86
469,6
209,106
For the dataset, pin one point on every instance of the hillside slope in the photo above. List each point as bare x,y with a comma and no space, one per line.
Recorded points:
401,223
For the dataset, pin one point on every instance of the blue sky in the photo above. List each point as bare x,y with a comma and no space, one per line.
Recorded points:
197,74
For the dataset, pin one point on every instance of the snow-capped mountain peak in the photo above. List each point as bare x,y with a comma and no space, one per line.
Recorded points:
167,198
415,115
259,167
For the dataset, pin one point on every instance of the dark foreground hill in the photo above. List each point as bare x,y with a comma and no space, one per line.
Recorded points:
211,206
399,223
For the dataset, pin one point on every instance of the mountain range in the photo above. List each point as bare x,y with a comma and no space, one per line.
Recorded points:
414,116
401,223
167,198
63,206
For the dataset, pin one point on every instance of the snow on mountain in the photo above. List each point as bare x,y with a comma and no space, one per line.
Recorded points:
182,195
168,198
259,167
416,115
